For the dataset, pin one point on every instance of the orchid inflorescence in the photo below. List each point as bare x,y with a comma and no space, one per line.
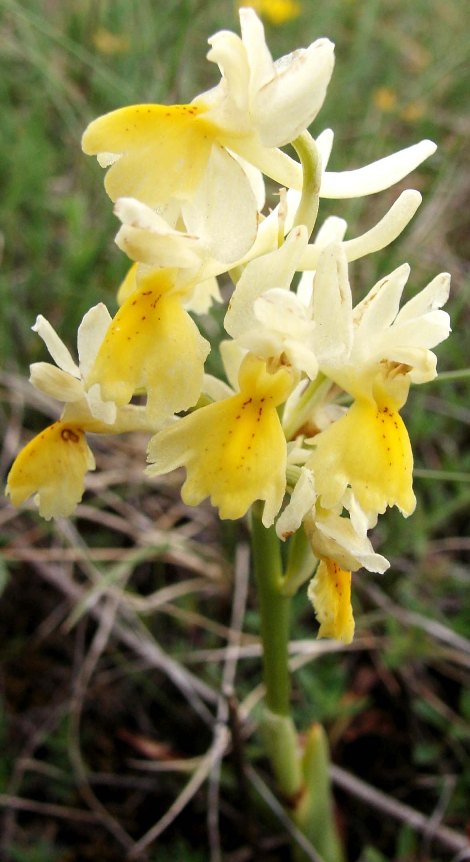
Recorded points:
307,420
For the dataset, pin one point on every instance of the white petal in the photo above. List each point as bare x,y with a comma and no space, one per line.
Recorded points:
55,382
55,346
336,537
273,162
275,269
105,411
267,238
147,238
305,288
433,296
225,221
90,335
424,332
376,176
324,142
331,232
132,212
379,308
105,160
292,200
360,520
232,356
332,306
282,310
205,293
258,55
287,104
301,357
255,178
228,52
302,499
160,250
216,389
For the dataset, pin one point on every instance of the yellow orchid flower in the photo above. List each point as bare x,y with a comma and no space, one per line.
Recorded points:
234,450
152,344
53,465
374,352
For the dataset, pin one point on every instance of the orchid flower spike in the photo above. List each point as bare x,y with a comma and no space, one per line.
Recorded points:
183,155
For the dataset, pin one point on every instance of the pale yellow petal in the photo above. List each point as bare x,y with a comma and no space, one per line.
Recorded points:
56,347
223,211
90,335
55,382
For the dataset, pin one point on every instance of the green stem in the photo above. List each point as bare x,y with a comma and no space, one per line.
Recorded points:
279,731
274,612
302,777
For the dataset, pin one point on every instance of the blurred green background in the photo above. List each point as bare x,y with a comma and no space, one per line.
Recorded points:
402,74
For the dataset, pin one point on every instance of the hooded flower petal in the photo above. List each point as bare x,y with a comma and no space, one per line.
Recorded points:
161,154
375,346
330,593
274,100
338,537
284,334
175,153
52,466
286,95
234,451
275,269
